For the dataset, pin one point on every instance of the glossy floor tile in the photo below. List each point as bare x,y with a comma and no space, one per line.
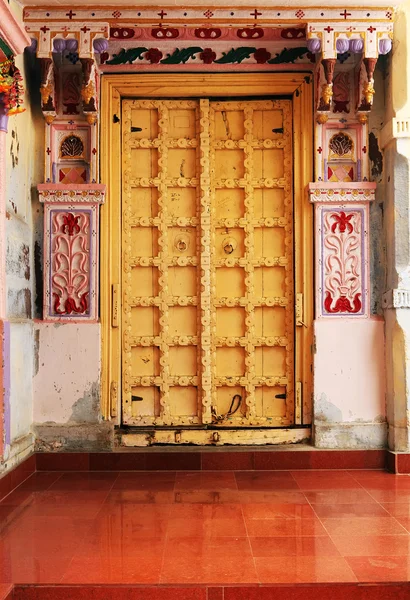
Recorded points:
214,527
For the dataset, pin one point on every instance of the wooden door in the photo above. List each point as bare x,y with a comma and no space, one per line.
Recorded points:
207,263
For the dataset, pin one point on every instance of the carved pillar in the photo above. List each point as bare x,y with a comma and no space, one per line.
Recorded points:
342,248
71,251
349,340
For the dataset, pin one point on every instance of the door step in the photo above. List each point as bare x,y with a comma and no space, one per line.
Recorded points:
213,437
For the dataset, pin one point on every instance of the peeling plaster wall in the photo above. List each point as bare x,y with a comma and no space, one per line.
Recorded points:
24,158
349,384
67,387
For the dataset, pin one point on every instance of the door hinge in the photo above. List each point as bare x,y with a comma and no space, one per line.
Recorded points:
299,311
298,403
114,313
114,398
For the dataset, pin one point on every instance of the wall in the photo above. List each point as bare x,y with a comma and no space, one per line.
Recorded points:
67,388
24,158
349,365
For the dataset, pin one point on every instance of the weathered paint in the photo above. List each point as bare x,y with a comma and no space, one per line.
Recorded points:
67,384
349,383
6,383
20,155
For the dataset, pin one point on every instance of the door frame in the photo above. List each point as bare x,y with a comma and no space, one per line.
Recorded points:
297,86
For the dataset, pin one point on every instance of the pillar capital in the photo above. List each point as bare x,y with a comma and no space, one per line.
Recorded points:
53,37
369,39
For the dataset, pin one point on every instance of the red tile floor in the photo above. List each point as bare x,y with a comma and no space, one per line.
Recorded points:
224,527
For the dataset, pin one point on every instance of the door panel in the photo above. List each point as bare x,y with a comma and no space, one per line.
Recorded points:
160,262
207,263
252,263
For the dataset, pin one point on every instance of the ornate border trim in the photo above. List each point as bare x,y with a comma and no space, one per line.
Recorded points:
60,193
342,193
209,14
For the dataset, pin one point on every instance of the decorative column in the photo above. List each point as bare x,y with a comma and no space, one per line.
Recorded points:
349,383
71,251
71,194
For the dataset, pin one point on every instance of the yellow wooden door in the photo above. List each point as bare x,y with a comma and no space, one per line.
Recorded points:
207,263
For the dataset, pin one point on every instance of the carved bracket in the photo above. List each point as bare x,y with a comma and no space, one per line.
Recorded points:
56,37
357,38
342,248
47,89
71,251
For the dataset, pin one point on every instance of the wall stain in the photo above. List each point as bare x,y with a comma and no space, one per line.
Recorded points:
87,408
375,156
14,148
38,272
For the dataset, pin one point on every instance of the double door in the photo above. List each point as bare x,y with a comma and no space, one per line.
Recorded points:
207,253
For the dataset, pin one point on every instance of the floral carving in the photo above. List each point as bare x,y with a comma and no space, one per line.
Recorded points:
72,147
342,261
342,222
341,145
70,261
70,224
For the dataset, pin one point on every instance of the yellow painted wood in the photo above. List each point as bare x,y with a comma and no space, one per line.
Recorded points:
207,301
252,263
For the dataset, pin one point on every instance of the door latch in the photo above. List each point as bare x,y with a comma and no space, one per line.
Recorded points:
299,311
114,314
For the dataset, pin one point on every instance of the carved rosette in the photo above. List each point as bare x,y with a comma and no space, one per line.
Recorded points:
71,251
342,248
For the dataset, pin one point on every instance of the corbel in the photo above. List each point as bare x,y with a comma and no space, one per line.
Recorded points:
47,89
366,87
326,94
369,40
88,91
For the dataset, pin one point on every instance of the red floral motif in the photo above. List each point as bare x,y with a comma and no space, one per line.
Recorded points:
261,55
250,33
208,56
70,224
343,304
153,55
342,220
70,305
208,33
